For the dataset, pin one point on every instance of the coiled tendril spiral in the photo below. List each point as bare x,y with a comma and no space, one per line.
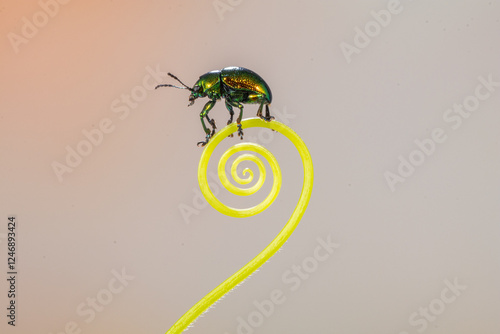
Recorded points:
287,230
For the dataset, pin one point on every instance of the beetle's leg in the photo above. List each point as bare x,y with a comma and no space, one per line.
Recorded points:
259,112
203,143
238,120
212,123
231,114
204,114
268,116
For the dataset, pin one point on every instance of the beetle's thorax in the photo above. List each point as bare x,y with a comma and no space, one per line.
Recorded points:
211,84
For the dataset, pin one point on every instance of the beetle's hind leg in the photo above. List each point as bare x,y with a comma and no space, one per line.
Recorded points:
268,116
259,112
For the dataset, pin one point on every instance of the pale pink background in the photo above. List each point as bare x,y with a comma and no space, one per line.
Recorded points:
119,208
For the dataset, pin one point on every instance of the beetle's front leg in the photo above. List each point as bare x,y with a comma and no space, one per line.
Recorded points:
212,123
204,114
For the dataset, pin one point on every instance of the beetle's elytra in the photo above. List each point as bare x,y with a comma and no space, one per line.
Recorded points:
236,85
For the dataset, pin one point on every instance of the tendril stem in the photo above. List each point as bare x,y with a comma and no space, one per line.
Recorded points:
287,230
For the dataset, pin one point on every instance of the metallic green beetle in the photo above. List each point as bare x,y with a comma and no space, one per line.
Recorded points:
236,85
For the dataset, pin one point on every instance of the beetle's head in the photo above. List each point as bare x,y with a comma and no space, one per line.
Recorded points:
196,91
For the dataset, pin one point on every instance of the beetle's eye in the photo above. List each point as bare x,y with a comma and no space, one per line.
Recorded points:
196,89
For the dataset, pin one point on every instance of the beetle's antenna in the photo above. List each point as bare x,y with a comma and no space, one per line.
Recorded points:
176,78
167,85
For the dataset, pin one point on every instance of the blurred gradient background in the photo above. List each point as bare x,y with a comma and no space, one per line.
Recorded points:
131,207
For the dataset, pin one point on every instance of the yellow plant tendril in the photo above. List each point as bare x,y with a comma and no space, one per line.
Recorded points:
287,230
